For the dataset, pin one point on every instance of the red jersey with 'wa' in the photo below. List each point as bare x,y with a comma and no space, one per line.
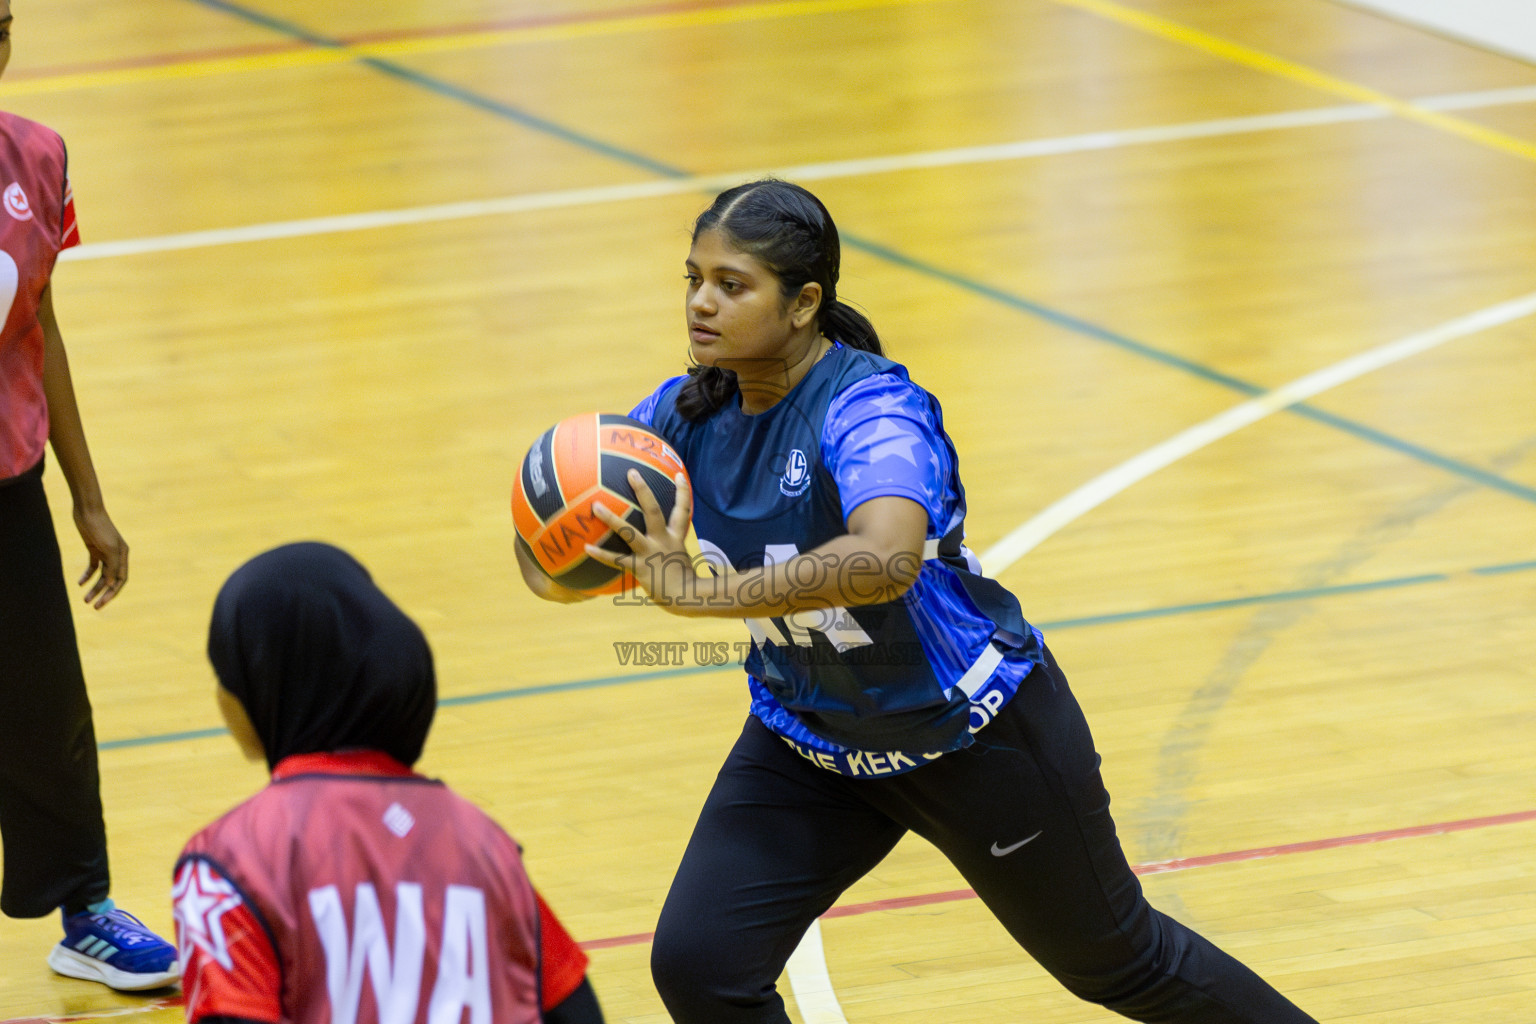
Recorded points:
37,222
353,891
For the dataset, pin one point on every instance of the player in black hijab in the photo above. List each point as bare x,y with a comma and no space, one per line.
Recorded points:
314,659
320,658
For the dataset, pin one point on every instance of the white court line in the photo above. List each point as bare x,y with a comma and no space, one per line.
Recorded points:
599,195
807,967
808,975
810,982
1095,492
1474,100
394,218
967,155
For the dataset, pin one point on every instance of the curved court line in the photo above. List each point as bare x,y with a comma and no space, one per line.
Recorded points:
955,895
1182,34
810,982
807,969
1158,867
1105,486
676,182
1146,22
807,966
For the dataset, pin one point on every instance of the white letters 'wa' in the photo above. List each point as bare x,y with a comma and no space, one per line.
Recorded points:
463,978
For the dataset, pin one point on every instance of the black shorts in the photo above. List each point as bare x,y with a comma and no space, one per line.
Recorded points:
1022,813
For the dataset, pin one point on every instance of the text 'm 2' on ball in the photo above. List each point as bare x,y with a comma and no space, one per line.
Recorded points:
578,463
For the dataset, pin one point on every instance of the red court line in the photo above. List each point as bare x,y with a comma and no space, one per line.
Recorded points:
618,940
552,20
388,36
1152,868
1263,852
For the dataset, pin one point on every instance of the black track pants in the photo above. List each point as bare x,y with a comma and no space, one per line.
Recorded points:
50,799
1022,813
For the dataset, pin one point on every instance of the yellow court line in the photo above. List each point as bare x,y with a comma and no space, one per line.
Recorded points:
1247,56
309,57
317,56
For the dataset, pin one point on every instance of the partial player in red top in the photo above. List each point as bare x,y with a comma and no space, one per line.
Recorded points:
50,791
351,889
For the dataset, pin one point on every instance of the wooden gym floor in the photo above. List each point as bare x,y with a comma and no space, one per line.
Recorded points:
1231,305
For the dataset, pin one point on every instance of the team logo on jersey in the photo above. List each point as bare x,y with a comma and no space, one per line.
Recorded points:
16,202
797,474
202,898
399,820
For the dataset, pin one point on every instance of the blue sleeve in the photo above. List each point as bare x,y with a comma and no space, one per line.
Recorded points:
882,438
645,412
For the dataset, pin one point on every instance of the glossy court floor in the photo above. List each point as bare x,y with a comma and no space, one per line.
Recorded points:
1231,306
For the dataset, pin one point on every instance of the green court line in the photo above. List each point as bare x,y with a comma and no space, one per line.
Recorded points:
1166,611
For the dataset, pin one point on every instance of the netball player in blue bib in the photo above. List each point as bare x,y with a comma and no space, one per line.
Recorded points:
894,688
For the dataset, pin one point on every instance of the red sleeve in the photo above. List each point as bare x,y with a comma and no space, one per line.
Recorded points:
69,231
564,964
229,967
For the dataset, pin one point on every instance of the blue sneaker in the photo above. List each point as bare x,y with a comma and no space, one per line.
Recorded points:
115,948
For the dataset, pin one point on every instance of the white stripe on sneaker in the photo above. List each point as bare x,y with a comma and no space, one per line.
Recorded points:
72,964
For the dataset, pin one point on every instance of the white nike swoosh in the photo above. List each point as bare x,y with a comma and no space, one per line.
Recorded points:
1003,851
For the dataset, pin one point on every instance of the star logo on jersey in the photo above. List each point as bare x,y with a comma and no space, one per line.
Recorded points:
888,440
15,201
202,898
797,474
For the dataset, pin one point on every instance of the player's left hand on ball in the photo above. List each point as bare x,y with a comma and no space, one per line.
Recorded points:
658,559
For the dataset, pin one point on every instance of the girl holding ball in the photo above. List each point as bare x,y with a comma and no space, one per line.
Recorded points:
894,688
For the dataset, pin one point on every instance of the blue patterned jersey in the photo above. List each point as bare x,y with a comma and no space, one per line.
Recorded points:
879,687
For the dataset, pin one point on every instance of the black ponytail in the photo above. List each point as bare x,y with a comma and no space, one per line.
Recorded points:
790,232
841,322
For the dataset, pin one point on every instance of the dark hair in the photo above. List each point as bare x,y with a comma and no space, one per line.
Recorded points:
788,230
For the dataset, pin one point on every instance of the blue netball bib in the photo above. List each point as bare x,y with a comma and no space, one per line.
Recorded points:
877,688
